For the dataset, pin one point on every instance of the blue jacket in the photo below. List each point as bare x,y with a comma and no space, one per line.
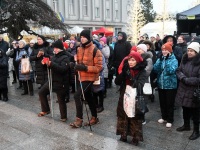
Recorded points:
166,72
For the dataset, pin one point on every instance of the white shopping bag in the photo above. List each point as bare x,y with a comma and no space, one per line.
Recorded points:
147,90
129,101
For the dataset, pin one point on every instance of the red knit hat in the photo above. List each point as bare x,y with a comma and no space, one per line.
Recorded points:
65,45
137,56
134,48
167,46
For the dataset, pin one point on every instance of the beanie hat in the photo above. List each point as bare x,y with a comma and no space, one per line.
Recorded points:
167,46
194,46
42,37
134,48
142,47
103,39
137,56
58,44
86,34
95,37
65,45
32,41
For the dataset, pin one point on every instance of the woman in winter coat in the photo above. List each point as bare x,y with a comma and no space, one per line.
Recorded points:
59,64
41,49
26,79
133,74
3,76
189,75
182,44
165,68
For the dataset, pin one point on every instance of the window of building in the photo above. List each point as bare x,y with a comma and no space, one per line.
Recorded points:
107,13
116,14
97,13
85,7
117,30
71,7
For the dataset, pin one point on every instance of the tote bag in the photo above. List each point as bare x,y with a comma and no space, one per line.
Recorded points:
147,90
25,66
129,101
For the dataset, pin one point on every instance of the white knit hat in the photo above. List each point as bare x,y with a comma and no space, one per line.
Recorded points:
194,46
142,47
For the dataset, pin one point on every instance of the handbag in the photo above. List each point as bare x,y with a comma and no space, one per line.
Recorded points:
141,107
196,95
147,89
129,101
25,66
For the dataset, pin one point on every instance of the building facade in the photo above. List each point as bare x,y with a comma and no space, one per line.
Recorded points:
93,14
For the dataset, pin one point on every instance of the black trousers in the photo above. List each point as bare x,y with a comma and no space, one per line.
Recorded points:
86,85
167,99
44,91
28,86
4,92
193,113
98,98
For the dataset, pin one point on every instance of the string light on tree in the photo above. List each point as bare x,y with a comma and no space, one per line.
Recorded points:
135,20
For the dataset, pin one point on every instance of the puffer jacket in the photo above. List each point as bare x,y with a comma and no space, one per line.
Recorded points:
60,71
189,69
41,70
166,72
85,56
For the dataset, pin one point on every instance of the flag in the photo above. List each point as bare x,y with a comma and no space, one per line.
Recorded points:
60,17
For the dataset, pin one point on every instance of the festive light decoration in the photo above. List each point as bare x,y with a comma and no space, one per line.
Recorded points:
135,20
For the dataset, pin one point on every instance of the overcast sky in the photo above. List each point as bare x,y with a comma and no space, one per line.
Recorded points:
174,6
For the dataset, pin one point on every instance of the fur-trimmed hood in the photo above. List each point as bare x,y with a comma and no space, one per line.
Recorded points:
45,44
195,60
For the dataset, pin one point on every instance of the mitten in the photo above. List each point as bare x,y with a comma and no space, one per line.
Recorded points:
81,67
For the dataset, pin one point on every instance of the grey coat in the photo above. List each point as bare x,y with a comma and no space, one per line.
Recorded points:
189,69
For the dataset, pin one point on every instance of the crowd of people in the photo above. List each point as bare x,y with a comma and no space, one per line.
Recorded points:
86,66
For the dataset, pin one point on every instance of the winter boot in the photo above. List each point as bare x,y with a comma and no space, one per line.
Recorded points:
195,133
185,127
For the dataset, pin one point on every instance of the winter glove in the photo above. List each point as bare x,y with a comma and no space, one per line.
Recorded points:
184,80
81,67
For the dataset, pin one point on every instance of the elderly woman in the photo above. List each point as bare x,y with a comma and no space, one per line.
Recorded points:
133,74
165,68
25,78
189,75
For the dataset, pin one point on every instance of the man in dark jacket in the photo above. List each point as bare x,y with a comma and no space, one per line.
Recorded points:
59,65
121,50
3,76
40,50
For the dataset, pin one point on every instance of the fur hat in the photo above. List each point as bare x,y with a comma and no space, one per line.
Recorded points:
194,46
142,47
167,46
137,56
58,44
95,37
86,34
170,36
103,39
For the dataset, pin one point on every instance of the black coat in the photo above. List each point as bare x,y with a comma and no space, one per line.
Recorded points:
60,71
121,50
3,71
189,69
41,70
183,47
140,78
4,46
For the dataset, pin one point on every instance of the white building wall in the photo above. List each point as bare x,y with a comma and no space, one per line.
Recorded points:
110,14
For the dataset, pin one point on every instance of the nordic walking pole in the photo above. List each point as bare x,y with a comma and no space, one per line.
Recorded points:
50,90
84,100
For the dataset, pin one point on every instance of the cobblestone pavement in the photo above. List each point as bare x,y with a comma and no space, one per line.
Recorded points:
21,129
